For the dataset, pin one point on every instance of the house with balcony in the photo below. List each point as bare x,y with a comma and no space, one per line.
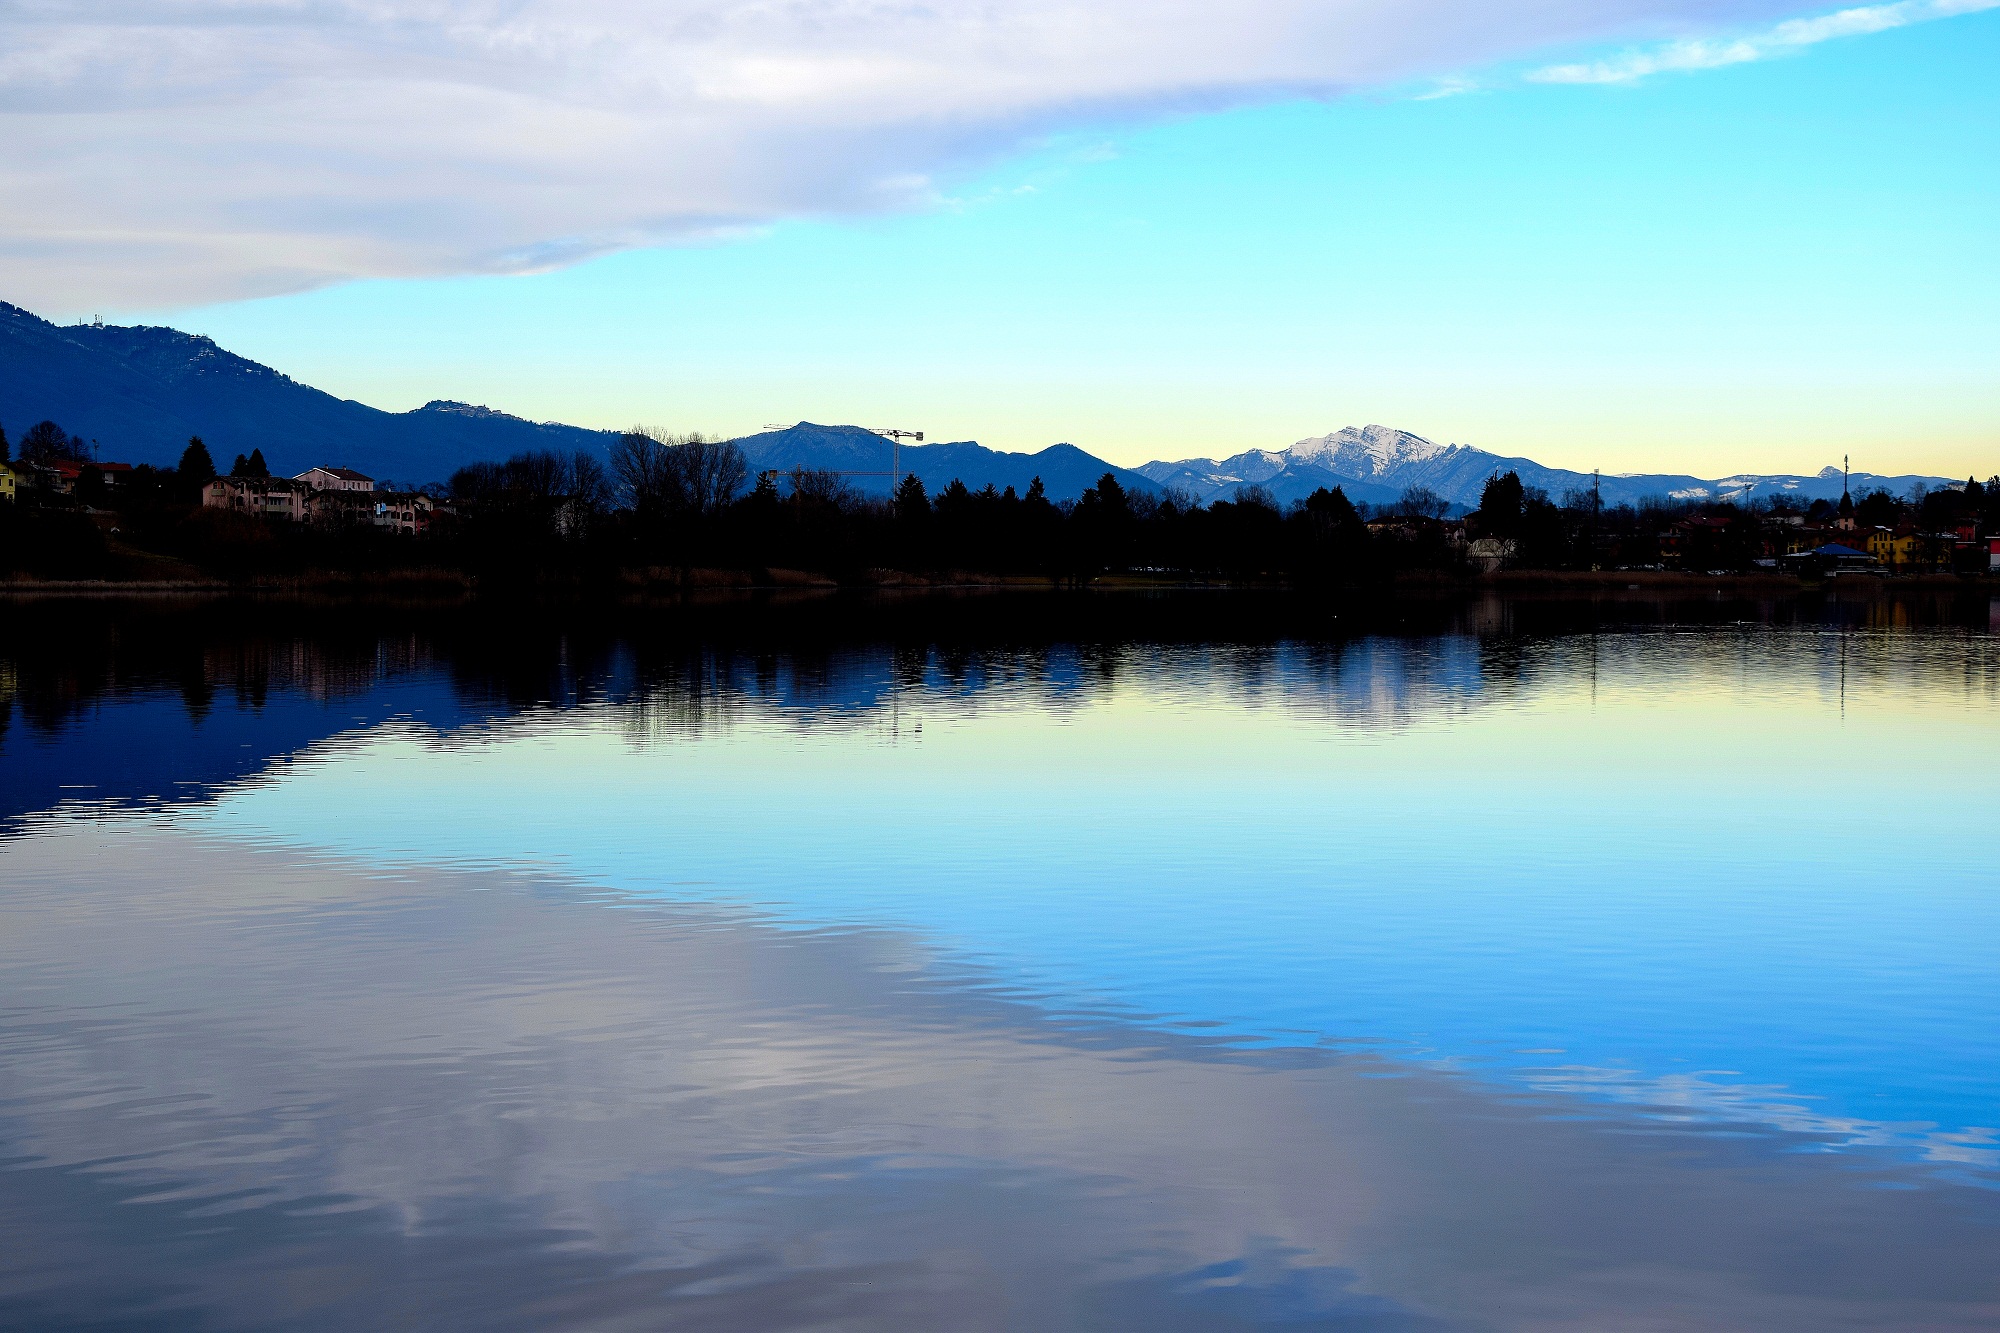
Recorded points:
1905,548
266,497
407,512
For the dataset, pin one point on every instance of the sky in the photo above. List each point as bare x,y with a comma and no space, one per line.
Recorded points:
1691,235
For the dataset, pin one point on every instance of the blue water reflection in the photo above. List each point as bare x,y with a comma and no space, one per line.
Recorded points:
1728,882
1696,868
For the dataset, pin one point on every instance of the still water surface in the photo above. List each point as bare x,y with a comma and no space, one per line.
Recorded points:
1485,974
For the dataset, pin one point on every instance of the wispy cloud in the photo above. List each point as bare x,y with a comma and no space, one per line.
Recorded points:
1452,86
157,152
1786,37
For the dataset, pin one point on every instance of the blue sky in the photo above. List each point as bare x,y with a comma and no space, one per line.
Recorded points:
1754,267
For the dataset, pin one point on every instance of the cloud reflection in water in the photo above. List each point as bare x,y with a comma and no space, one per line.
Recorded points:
246,1087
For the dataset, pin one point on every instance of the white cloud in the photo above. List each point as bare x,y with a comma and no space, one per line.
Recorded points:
170,151
1789,36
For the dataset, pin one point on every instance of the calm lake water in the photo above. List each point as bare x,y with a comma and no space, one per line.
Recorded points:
1077,964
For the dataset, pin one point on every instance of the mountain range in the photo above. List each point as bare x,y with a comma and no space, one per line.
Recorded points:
140,392
1066,471
1377,464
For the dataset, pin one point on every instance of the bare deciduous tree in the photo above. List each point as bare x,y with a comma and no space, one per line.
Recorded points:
691,475
563,491
1422,502
817,488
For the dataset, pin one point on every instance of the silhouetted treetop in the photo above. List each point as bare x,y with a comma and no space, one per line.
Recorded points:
196,467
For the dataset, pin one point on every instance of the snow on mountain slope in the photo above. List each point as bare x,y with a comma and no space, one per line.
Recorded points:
1371,451
1376,464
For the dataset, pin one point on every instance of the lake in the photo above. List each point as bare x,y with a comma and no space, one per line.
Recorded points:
986,962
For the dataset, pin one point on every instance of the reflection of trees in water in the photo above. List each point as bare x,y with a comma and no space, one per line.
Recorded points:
165,710
1374,681
1751,659
58,677
699,695
1394,667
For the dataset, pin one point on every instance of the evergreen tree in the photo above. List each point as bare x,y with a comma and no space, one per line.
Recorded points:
6,450
1112,497
196,467
1331,510
910,501
257,466
1500,505
1877,509
241,467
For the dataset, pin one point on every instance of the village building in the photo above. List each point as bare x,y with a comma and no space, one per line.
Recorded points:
71,471
336,479
59,476
10,481
1832,558
267,497
1490,554
326,497
407,512
1904,547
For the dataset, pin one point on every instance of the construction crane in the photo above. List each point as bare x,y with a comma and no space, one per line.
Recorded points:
895,438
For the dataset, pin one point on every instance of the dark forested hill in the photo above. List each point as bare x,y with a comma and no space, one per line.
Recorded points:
140,392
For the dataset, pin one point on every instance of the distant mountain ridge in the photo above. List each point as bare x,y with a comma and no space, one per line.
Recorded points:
142,391
1065,470
1378,463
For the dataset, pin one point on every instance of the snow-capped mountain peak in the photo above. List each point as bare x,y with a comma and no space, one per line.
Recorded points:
1368,451
1377,464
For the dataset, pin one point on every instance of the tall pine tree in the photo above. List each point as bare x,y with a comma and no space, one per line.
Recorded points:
196,467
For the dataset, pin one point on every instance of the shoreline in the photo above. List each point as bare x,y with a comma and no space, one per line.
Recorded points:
648,588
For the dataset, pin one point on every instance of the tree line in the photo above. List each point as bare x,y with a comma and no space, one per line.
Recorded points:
674,504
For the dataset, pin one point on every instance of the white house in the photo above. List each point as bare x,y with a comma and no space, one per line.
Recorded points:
1489,554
